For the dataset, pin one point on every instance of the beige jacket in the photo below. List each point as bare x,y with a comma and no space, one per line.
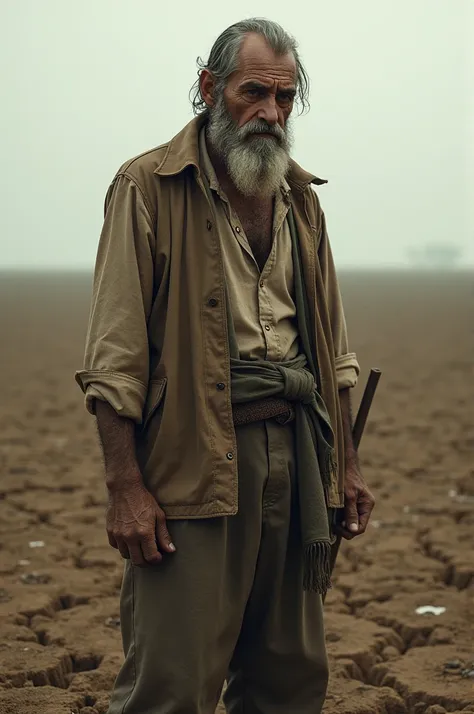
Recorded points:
157,339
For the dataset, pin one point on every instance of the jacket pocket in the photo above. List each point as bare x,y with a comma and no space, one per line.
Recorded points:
155,396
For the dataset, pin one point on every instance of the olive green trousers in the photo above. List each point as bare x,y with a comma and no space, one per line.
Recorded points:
229,604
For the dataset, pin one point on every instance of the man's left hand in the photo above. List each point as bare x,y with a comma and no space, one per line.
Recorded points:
358,503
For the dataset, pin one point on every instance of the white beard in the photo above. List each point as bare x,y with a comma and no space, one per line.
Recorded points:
256,165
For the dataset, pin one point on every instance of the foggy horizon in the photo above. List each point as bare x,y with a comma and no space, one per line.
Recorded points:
391,124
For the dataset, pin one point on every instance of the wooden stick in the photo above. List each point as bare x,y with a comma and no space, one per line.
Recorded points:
365,404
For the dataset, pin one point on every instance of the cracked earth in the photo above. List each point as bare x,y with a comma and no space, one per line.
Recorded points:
59,611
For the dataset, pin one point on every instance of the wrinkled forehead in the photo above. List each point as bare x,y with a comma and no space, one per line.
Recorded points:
257,60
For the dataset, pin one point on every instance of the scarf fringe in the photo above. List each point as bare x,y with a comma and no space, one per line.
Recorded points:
317,567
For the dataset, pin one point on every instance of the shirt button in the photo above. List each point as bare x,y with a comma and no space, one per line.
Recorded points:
262,284
209,225
220,386
213,302
229,455
267,327
237,229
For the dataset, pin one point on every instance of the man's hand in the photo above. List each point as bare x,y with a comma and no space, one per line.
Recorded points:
136,525
358,500
358,503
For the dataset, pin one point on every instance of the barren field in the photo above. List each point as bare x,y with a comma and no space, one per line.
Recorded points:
59,619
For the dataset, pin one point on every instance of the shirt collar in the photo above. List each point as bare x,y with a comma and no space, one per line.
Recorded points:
183,151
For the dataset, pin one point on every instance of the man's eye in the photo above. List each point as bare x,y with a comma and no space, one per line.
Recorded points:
285,98
254,92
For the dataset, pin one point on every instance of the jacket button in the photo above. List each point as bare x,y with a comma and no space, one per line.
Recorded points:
213,302
229,455
209,225
220,386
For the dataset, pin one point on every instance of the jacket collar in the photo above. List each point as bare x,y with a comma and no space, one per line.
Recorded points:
183,151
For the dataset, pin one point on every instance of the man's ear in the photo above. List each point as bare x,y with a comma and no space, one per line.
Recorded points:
207,84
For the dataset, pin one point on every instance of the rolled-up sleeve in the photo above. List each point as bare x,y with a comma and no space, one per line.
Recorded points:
347,365
116,362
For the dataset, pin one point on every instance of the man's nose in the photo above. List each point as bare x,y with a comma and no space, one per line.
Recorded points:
268,112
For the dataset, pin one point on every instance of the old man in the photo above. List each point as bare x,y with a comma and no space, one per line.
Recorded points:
217,365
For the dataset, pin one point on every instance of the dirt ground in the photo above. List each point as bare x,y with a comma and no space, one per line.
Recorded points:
59,619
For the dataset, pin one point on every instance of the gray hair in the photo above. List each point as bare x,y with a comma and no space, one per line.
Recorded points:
224,56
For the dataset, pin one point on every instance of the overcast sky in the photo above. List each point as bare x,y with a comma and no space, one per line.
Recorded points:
87,85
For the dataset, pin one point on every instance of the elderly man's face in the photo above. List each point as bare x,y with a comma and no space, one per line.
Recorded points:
248,121
263,87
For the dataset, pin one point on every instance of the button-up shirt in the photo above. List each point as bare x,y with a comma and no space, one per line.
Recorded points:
262,302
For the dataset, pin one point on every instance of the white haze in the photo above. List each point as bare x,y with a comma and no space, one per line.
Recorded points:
88,85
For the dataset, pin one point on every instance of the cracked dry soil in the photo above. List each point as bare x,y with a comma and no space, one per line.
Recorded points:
59,616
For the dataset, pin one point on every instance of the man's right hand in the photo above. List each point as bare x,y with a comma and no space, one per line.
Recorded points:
136,525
